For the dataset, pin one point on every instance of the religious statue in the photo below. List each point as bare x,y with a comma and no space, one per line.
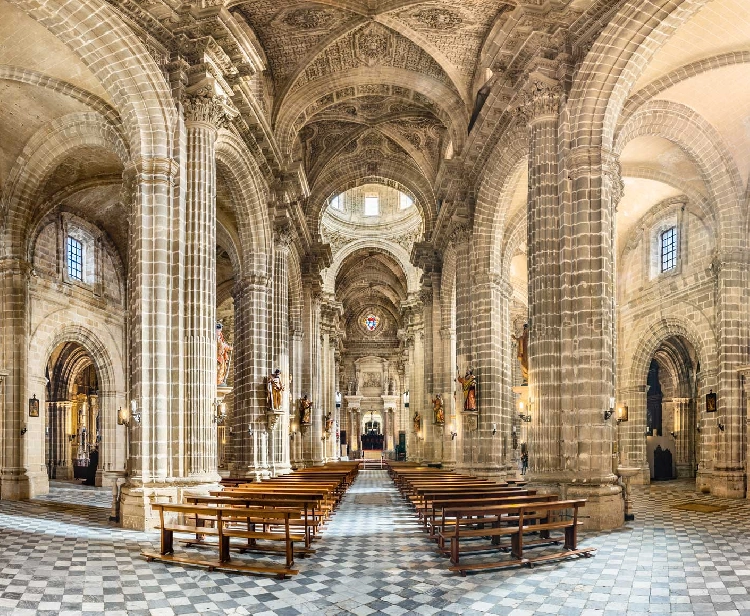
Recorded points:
437,410
223,356
305,411
274,387
328,425
417,421
469,384
391,386
523,352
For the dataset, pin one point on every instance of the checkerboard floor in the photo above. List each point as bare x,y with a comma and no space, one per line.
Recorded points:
61,555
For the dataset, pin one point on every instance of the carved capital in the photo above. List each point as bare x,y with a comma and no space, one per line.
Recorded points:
541,100
202,108
612,172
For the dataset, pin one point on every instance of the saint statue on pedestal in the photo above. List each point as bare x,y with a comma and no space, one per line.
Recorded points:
523,352
305,411
223,356
469,385
417,421
274,387
437,410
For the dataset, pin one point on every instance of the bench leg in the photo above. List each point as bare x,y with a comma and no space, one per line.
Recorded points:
571,536
166,542
454,550
289,554
223,549
516,542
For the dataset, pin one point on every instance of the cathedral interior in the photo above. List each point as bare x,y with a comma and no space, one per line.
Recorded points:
244,239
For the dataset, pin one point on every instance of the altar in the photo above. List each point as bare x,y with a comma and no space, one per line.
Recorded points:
372,441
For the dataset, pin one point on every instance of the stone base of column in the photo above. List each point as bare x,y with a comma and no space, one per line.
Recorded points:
728,484
642,478
23,484
684,471
256,474
64,472
135,501
107,479
605,505
703,481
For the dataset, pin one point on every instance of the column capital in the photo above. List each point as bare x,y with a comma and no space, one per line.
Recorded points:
250,283
540,100
204,107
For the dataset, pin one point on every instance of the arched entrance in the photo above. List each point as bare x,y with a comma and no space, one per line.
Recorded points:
671,410
73,429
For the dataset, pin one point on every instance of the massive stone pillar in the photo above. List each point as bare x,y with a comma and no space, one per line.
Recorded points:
203,116
631,434
154,277
112,455
682,430
432,433
491,343
571,312
21,476
279,434
588,335
729,478
312,443
247,424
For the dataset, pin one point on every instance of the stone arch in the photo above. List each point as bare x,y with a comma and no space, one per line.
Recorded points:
296,101
353,172
41,155
658,329
515,235
120,61
249,192
501,176
396,252
702,143
616,60
228,240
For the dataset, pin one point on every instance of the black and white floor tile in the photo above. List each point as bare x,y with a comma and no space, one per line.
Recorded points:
61,555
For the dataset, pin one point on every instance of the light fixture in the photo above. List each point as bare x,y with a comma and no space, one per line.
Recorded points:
673,434
622,413
406,399
608,413
338,399
721,426
454,434
698,427
24,430
494,429
250,430
521,415
221,413
71,438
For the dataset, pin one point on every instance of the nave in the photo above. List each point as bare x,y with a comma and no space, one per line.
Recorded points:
62,556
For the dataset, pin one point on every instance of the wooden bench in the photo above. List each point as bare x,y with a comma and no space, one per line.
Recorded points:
224,516
490,521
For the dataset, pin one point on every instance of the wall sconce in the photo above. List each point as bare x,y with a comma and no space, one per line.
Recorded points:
622,413
494,429
250,430
721,426
292,434
24,430
521,416
673,434
125,416
608,413
698,427
454,434
406,399
338,399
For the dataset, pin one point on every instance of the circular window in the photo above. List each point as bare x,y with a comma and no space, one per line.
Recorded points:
371,322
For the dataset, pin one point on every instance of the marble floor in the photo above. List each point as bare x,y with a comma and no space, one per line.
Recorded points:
61,555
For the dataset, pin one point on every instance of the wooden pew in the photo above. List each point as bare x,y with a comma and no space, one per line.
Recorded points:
488,521
225,515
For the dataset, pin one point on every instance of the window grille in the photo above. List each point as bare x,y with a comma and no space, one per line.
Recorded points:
669,249
75,259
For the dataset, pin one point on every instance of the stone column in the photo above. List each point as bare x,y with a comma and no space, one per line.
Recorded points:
631,435
279,434
311,367
21,476
493,351
744,374
112,455
587,308
413,313
682,429
203,117
729,478
450,395
155,249
247,423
